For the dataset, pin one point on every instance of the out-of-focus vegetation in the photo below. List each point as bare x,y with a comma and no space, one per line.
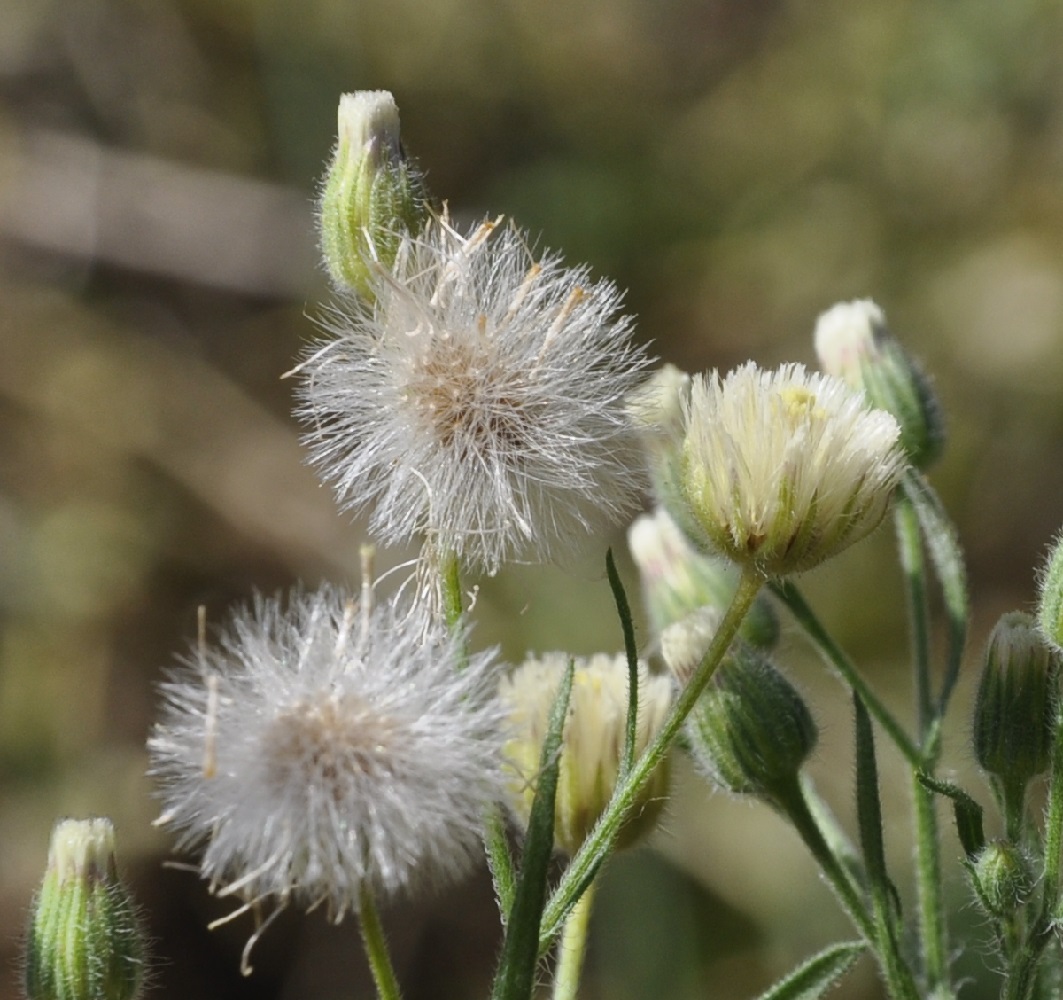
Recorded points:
739,166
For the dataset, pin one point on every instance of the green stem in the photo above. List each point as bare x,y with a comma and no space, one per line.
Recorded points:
376,948
932,927
910,547
589,857
1023,973
835,656
450,580
795,807
573,947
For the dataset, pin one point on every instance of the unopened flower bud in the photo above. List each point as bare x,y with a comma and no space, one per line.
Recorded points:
678,581
1001,878
371,194
750,731
592,741
854,343
656,406
1014,713
84,939
1050,608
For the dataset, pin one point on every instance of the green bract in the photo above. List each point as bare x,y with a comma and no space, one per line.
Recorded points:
84,941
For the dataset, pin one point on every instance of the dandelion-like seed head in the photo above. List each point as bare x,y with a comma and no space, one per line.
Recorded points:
592,741
783,469
316,752
477,398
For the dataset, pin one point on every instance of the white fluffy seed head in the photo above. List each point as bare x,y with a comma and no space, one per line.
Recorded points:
783,469
477,398
310,755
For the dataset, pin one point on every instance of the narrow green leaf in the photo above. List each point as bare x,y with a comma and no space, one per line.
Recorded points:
868,804
884,899
813,978
968,813
946,555
515,978
623,610
500,862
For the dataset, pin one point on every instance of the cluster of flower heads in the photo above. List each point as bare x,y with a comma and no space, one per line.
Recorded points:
492,403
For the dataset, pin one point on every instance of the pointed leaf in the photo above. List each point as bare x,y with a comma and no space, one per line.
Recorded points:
515,978
500,863
813,978
623,609
968,813
943,546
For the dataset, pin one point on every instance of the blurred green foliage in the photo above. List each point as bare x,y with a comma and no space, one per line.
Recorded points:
740,166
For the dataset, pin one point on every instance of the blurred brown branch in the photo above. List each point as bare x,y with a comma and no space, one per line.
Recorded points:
76,197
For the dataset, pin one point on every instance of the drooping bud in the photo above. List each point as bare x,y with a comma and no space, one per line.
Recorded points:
1014,714
854,343
1002,878
592,742
678,581
371,193
1050,607
751,731
84,940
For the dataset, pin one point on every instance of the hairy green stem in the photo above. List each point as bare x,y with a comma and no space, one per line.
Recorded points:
793,804
1022,975
932,928
376,948
590,856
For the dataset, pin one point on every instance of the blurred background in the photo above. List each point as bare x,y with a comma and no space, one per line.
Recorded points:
739,166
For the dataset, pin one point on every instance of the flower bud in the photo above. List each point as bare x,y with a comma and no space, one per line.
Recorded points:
656,406
1050,608
84,939
371,193
1001,878
678,581
751,731
592,741
854,343
1014,713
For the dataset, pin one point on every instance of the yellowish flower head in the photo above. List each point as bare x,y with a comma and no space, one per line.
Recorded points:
592,743
783,469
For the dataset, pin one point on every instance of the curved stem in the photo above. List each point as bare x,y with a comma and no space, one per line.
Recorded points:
590,856
795,807
573,947
376,949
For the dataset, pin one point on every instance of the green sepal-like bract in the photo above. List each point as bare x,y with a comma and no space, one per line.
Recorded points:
84,940
371,194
